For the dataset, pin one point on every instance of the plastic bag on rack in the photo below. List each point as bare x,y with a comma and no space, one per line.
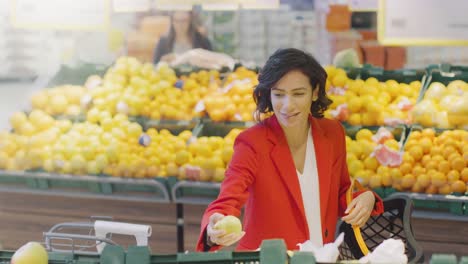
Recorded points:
204,59
382,135
341,112
329,253
387,157
389,251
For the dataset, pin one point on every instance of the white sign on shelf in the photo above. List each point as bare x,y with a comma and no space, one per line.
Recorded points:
131,5
206,4
220,6
423,22
60,14
260,4
173,5
363,5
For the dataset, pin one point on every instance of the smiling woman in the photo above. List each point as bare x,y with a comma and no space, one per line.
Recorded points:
290,169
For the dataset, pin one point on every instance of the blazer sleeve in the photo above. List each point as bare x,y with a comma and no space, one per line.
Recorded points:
345,180
235,187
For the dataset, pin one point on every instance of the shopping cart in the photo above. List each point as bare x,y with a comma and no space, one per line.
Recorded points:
395,223
90,238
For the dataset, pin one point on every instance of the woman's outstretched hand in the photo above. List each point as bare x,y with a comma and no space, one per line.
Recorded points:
219,236
360,209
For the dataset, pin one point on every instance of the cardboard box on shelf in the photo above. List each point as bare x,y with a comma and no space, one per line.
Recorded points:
338,18
342,40
373,53
395,58
368,34
141,45
155,26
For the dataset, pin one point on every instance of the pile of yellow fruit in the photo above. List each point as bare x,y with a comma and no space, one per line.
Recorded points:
233,102
362,165
444,106
203,79
60,100
369,102
435,164
110,145
136,89
207,156
25,147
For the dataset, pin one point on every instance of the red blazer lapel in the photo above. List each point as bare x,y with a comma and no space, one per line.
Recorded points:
282,159
323,155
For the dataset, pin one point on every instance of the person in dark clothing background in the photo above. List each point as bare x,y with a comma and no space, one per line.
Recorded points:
183,35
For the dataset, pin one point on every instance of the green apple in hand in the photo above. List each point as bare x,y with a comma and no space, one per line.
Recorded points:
31,253
230,224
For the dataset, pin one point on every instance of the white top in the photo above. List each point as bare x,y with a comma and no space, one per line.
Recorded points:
309,184
180,48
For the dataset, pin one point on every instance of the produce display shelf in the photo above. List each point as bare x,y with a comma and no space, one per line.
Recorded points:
271,252
86,186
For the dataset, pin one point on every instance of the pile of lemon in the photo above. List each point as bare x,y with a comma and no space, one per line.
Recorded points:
444,106
363,166
60,100
370,102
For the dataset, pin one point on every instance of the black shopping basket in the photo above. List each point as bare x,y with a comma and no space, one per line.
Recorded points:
394,222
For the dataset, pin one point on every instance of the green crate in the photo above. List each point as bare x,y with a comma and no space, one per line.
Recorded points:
5,256
397,131
389,191
443,259
220,129
302,258
16,181
454,207
174,126
246,257
273,252
131,189
57,258
445,73
68,185
198,192
164,259
401,76
219,257
76,75
426,204
463,260
380,192
113,255
142,120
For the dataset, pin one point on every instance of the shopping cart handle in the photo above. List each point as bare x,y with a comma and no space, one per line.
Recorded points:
140,232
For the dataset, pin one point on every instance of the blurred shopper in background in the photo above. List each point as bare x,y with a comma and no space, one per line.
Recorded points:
184,35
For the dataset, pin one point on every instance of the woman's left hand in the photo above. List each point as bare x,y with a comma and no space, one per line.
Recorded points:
360,209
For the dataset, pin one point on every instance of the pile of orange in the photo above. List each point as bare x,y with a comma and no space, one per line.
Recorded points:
435,163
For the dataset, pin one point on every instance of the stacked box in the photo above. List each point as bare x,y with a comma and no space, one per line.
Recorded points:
23,52
253,36
142,42
225,33
278,26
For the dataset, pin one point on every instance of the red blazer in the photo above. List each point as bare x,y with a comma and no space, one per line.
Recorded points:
262,175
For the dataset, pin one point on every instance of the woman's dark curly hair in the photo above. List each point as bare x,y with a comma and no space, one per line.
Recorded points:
282,62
